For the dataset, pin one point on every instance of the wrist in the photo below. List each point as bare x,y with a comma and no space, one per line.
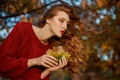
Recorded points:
48,70
31,62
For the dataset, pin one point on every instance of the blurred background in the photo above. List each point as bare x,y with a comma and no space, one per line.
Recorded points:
99,29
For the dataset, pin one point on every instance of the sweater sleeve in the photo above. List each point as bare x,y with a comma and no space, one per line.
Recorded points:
10,65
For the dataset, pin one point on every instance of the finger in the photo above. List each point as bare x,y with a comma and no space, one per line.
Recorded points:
45,65
51,61
53,68
64,61
60,62
51,57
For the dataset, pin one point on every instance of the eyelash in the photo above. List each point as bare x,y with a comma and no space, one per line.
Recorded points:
61,21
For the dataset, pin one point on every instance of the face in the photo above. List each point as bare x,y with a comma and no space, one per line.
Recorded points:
58,24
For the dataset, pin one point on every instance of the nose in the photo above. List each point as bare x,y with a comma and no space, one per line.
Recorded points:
65,26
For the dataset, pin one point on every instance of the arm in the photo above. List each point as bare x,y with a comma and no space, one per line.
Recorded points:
40,61
45,73
10,65
45,60
62,63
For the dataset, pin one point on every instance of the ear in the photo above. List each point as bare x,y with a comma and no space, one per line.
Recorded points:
47,20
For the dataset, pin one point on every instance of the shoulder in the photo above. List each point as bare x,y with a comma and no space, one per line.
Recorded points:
20,28
22,25
19,32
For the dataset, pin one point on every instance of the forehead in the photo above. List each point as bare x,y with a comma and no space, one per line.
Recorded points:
62,14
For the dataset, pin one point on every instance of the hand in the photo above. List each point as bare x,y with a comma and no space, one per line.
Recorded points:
45,60
48,61
62,63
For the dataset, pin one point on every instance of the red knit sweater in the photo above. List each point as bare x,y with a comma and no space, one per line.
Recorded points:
21,45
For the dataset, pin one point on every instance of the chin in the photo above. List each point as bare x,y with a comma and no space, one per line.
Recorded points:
59,36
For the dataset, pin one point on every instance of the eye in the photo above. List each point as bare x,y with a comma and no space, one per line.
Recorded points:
61,20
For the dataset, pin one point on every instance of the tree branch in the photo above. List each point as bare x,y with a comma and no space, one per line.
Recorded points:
20,13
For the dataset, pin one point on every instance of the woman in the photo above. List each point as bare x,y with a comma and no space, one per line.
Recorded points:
23,53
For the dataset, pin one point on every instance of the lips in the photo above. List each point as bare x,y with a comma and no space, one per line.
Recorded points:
62,31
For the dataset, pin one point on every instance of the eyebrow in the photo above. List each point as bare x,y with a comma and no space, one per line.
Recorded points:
65,19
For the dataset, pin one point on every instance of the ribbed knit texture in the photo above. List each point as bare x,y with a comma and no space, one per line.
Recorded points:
21,45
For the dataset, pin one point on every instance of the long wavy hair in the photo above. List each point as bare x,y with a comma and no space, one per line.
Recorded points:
70,41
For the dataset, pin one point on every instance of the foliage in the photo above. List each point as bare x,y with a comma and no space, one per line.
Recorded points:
99,29
58,53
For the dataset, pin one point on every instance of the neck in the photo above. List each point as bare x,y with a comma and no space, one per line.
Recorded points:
43,34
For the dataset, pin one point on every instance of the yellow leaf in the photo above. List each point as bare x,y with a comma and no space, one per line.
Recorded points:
12,8
100,3
104,46
25,10
84,4
118,5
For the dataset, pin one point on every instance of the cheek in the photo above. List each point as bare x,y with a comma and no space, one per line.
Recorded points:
54,27
56,24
